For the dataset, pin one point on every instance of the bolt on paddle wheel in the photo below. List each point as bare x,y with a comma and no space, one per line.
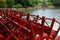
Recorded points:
16,26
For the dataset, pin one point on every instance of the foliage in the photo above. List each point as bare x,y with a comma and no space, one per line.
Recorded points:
2,3
27,3
17,6
56,3
49,3
10,3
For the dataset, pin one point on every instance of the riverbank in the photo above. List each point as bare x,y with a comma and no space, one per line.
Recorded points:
30,9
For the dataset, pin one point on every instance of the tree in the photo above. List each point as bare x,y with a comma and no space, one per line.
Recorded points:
2,3
26,3
10,3
56,2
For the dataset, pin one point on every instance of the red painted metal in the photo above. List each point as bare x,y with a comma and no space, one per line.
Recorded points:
14,27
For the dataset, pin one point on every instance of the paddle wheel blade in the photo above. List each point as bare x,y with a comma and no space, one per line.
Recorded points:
13,26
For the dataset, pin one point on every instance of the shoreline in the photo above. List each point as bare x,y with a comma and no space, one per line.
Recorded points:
30,9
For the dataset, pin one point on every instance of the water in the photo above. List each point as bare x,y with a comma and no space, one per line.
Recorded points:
49,13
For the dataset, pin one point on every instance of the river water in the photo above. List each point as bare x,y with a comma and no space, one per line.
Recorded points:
49,13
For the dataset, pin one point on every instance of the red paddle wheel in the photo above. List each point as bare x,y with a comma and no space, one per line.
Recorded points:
16,26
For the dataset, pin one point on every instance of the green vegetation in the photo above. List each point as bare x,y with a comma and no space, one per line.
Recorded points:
56,3
2,3
17,6
27,3
9,3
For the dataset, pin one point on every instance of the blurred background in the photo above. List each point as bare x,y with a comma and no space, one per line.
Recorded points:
47,8
28,3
